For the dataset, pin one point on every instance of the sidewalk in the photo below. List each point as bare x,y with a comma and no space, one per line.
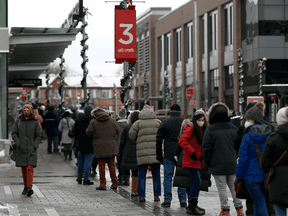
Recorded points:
56,192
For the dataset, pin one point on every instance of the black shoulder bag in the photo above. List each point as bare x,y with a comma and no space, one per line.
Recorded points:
70,133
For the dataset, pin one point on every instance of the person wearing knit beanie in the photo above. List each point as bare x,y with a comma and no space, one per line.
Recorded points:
282,116
256,112
175,107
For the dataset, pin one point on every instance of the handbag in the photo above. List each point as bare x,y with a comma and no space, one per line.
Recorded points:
271,170
258,152
241,190
12,151
70,133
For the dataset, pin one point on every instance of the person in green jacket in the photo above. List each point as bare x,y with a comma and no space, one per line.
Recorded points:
27,135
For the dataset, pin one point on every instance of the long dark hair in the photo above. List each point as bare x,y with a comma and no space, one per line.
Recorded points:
197,130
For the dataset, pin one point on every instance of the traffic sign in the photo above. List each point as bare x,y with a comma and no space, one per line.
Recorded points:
190,92
192,103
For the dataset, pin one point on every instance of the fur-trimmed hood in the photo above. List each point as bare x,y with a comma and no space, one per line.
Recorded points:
100,114
183,125
218,112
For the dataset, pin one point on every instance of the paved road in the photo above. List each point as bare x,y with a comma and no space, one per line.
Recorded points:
56,192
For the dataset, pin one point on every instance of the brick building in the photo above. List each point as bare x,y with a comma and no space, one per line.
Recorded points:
195,46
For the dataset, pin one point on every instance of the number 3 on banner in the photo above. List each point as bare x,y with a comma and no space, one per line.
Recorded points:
126,32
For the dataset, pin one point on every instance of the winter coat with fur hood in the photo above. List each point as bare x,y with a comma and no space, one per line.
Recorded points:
144,132
27,135
104,131
218,142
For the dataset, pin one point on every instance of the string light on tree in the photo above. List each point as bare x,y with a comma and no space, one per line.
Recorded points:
241,77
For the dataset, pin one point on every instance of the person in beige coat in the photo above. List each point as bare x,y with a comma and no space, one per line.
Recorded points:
104,131
144,131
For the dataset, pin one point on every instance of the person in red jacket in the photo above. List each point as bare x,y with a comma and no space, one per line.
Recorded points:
191,141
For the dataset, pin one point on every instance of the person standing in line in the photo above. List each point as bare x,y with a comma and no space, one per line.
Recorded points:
65,125
123,174
85,153
276,150
104,131
168,132
144,131
26,133
248,167
220,156
50,123
190,141
127,153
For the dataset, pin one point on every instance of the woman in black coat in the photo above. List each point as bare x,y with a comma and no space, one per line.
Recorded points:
276,145
127,152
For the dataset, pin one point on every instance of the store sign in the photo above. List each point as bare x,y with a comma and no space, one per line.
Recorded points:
25,83
125,35
255,99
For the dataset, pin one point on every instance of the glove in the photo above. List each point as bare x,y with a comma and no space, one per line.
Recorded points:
237,185
193,156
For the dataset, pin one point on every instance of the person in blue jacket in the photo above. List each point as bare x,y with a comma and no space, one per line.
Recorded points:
248,167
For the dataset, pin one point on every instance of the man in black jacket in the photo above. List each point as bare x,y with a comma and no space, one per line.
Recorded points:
169,131
85,147
219,154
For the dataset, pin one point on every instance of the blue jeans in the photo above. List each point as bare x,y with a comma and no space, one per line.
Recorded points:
258,194
84,164
195,175
155,169
169,166
280,211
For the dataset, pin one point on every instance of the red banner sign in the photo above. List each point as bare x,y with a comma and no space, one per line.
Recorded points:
125,35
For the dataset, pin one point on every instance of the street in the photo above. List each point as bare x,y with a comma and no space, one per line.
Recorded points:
56,192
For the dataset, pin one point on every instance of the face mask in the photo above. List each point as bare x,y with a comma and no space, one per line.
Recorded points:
200,124
247,124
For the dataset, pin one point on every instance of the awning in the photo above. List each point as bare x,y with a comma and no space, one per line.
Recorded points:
33,49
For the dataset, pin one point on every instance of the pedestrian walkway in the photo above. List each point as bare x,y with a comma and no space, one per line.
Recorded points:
56,192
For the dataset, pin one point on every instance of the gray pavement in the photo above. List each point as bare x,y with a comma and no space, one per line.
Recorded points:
56,192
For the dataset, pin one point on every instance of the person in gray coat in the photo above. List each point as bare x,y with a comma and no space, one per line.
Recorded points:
144,132
27,135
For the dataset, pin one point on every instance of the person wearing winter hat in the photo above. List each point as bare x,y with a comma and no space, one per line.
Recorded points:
276,147
64,126
220,156
168,132
85,147
26,133
248,167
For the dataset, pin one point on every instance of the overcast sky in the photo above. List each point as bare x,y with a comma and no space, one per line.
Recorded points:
100,29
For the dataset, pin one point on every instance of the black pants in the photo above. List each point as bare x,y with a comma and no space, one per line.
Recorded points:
94,164
134,173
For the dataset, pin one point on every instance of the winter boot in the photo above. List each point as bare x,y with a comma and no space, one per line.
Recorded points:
240,212
70,155
120,180
24,192
29,191
191,209
134,188
224,212
126,180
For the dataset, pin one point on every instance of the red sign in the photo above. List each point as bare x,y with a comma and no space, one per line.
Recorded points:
125,35
190,92
192,103
255,99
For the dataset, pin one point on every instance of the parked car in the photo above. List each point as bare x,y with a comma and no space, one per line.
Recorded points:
162,114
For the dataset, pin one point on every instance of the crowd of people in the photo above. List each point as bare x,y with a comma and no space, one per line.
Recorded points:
190,150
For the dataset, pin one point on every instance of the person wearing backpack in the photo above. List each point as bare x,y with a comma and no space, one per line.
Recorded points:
65,125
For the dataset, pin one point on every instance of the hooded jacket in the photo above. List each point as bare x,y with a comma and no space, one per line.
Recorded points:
79,130
64,126
275,146
218,151
248,166
168,131
104,131
127,148
144,132
27,135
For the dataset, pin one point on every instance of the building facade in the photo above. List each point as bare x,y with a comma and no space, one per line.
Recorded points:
196,46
